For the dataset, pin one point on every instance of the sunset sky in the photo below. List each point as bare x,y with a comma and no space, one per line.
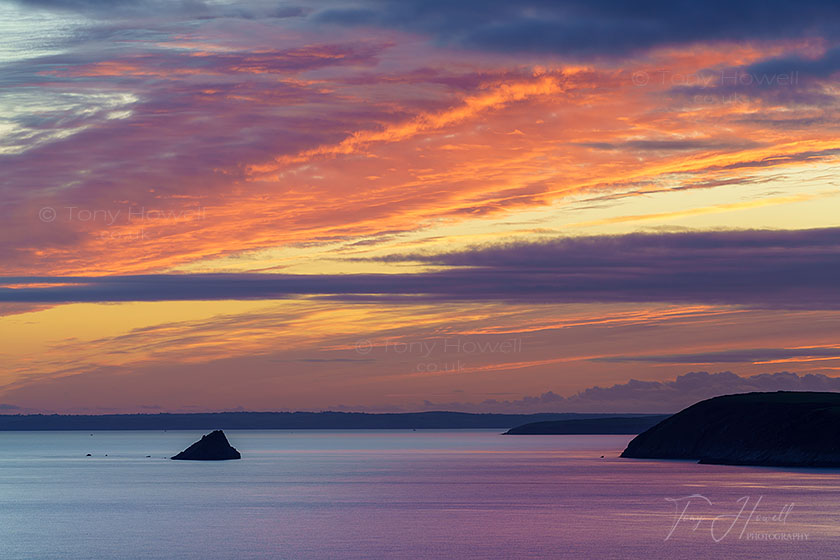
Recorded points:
416,205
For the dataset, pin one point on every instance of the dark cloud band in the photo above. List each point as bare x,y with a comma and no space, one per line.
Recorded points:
591,27
564,27
768,269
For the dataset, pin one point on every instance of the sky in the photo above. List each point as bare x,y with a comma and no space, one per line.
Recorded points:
488,206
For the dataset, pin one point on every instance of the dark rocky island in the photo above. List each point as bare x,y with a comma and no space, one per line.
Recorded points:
782,429
603,426
211,447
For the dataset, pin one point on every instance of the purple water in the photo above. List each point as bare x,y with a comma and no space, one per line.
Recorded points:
396,495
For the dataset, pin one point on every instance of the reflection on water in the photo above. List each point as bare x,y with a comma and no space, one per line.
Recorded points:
396,494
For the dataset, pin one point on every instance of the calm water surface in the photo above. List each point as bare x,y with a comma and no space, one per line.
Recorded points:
397,495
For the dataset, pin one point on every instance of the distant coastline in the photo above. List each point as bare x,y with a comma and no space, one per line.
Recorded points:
611,425
283,421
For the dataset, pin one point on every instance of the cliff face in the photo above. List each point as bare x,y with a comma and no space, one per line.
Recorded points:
211,447
792,429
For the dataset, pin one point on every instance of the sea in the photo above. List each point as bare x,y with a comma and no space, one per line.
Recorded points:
394,494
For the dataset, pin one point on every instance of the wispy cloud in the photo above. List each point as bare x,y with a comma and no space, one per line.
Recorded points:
753,355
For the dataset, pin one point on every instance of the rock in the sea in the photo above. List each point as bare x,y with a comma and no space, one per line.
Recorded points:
782,429
211,447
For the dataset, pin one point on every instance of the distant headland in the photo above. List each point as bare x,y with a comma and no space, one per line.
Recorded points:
618,425
279,421
781,429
